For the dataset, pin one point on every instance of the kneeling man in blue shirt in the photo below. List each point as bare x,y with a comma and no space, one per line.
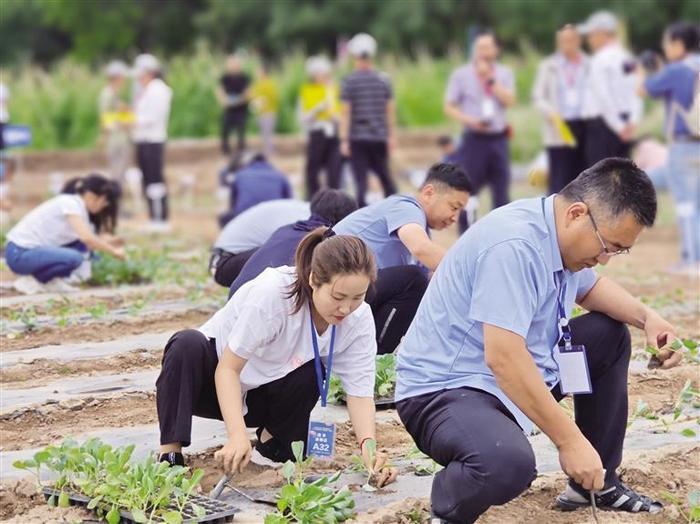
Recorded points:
492,349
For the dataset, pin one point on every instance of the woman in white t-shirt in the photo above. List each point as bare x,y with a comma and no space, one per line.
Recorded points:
50,242
253,363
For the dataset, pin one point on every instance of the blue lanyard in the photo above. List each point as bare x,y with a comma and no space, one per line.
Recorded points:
323,384
563,320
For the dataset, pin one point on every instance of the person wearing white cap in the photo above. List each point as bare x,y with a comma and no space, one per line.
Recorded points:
150,132
611,103
112,106
319,111
368,115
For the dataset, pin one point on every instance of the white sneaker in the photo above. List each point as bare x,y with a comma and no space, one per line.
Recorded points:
257,458
59,285
28,285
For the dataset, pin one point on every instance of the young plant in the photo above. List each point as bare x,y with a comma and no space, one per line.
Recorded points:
426,467
312,503
384,381
691,513
688,347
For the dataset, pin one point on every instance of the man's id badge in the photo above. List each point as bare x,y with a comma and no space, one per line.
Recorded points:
488,108
573,369
320,442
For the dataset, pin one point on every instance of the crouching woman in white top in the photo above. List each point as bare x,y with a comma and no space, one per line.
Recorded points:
50,242
252,364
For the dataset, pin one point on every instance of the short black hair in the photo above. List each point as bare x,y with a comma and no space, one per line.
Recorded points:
332,204
615,186
687,33
450,175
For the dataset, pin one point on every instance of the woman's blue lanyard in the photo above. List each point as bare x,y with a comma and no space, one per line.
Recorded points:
323,384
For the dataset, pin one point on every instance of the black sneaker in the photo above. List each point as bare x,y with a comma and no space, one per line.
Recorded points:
617,497
173,458
271,453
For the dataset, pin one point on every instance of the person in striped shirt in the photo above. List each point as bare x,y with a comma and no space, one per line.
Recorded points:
368,115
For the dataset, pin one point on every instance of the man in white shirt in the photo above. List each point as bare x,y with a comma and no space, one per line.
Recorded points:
151,111
611,101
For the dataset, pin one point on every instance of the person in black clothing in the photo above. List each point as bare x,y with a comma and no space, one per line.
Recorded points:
233,94
328,207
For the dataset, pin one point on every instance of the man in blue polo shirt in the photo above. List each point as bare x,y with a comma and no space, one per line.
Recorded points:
396,230
480,363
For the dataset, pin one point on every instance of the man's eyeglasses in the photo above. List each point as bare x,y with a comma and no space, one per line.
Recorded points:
605,251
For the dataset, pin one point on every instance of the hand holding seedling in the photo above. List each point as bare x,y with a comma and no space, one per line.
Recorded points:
581,462
660,333
376,465
235,454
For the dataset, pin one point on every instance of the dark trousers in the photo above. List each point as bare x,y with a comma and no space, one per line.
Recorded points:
566,163
233,121
488,459
485,158
186,387
149,157
394,300
227,266
368,155
322,153
602,142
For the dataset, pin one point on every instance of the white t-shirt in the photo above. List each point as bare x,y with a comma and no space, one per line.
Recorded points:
252,228
257,324
152,110
46,225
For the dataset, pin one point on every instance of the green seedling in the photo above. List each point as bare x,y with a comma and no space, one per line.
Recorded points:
384,382
315,502
98,310
426,467
385,379
358,464
688,397
690,511
27,316
688,347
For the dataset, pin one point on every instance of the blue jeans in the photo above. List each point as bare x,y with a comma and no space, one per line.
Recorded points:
45,263
684,183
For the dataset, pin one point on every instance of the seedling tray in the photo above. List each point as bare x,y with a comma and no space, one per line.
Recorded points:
216,511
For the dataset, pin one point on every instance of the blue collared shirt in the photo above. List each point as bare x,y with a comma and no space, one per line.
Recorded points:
505,271
378,225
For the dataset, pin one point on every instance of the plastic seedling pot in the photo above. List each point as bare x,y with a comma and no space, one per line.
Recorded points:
216,511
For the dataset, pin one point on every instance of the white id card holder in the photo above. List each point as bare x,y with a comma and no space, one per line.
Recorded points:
573,369
488,108
320,442
570,97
